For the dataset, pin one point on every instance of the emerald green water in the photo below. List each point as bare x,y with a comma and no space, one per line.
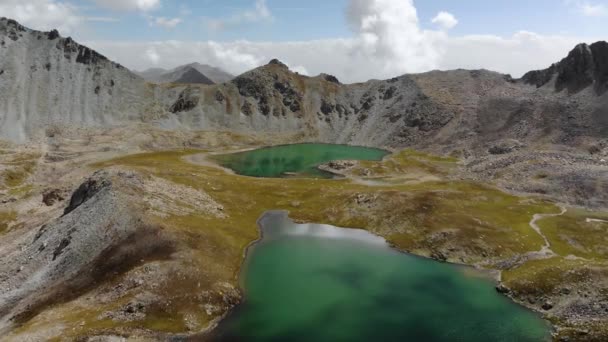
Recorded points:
300,159
321,283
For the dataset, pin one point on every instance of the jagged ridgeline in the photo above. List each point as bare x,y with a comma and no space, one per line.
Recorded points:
47,80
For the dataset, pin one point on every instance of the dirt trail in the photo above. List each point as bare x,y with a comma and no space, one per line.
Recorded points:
546,248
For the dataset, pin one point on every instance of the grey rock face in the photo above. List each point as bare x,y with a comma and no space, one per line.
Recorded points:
188,100
101,233
87,190
584,66
50,80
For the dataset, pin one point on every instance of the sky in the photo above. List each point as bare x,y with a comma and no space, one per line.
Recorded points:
355,40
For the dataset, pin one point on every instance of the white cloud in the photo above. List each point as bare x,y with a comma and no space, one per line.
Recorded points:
151,55
260,13
445,20
42,14
130,5
167,23
299,69
515,55
390,40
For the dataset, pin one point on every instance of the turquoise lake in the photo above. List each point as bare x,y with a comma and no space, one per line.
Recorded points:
307,282
297,159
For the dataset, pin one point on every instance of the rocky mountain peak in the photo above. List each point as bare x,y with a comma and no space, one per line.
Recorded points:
586,65
11,29
275,61
70,49
330,78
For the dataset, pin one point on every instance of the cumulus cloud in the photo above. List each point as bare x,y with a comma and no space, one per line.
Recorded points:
42,14
129,5
390,38
260,13
151,55
445,20
299,69
163,22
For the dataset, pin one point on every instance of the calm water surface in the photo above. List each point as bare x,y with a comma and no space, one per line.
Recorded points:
300,159
322,283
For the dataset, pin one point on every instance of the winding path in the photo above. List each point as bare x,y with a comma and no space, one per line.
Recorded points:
546,248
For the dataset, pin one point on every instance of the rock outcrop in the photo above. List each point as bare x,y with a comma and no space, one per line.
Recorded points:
100,234
585,66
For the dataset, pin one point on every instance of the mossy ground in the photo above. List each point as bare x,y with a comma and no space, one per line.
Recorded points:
578,274
461,221
578,232
17,170
6,217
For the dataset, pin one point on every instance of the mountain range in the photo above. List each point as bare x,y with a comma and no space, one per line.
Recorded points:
49,80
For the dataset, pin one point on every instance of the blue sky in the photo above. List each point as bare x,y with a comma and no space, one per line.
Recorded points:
319,19
354,39
290,20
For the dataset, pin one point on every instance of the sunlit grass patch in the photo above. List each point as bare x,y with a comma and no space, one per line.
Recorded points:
476,215
17,169
578,232
6,218
406,162
466,221
551,276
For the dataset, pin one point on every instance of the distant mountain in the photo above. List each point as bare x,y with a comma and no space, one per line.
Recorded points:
159,75
217,75
193,76
152,74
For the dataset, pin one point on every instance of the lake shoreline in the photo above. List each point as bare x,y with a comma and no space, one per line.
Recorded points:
476,272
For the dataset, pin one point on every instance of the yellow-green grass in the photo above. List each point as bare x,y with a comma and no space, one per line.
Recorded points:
18,169
484,221
546,276
559,276
6,217
572,234
474,221
406,162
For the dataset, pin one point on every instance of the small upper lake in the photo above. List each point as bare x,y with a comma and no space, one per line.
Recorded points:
299,159
308,282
